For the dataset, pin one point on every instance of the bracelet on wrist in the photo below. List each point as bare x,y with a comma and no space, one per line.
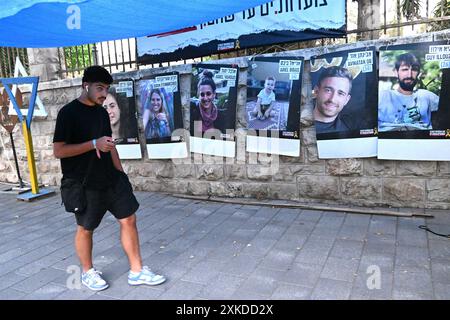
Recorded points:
94,143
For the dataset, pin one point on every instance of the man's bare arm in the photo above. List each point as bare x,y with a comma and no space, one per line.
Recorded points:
116,160
64,150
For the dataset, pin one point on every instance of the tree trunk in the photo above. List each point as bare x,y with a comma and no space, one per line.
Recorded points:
44,63
368,18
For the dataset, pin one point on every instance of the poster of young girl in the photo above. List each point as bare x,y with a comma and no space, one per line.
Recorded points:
213,109
160,107
121,108
273,105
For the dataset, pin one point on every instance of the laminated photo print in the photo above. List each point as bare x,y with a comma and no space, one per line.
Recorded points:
414,101
344,101
272,109
120,104
213,109
160,107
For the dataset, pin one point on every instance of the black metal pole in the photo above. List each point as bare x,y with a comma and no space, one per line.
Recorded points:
15,159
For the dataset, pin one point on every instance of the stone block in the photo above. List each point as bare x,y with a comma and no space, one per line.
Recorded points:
176,186
146,184
47,97
438,190
164,169
202,159
48,179
235,172
404,190
318,187
226,189
63,96
308,136
51,167
183,171
343,167
145,170
44,127
376,167
199,188
416,168
443,168
210,172
258,191
45,143
306,116
4,166
297,160
261,173
47,155
283,191
361,188
312,154
289,172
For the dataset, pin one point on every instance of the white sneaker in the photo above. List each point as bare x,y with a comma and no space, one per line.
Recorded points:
93,280
146,276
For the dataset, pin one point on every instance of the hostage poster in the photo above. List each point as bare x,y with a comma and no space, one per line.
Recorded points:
121,108
345,103
160,107
213,109
273,105
414,102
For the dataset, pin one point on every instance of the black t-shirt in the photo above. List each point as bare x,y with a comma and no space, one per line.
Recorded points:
335,126
78,123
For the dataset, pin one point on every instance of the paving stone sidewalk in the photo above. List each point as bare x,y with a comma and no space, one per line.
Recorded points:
226,251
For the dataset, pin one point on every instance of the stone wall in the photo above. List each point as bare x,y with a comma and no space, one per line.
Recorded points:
362,182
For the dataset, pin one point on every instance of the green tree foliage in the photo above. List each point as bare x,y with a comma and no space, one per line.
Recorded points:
78,57
8,60
430,73
411,9
442,8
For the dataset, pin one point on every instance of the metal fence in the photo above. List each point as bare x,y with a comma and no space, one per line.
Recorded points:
117,56
8,60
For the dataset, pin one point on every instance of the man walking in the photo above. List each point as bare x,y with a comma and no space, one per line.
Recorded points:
83,142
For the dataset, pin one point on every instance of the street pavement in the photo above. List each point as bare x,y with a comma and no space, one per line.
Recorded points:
217,251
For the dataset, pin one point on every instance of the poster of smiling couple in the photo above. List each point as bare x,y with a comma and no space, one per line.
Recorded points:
121,108
273,105
345,103
414,102
213,109
160,106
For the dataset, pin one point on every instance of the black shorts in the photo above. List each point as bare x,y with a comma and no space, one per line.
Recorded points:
117,199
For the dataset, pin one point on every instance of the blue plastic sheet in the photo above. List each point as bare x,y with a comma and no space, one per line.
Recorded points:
59,23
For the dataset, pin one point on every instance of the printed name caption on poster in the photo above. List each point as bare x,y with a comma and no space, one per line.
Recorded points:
441,54
125,87
235,309
228,74
170,83
293,67
362,59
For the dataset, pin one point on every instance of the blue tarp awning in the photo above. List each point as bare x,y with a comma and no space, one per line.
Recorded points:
60,23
